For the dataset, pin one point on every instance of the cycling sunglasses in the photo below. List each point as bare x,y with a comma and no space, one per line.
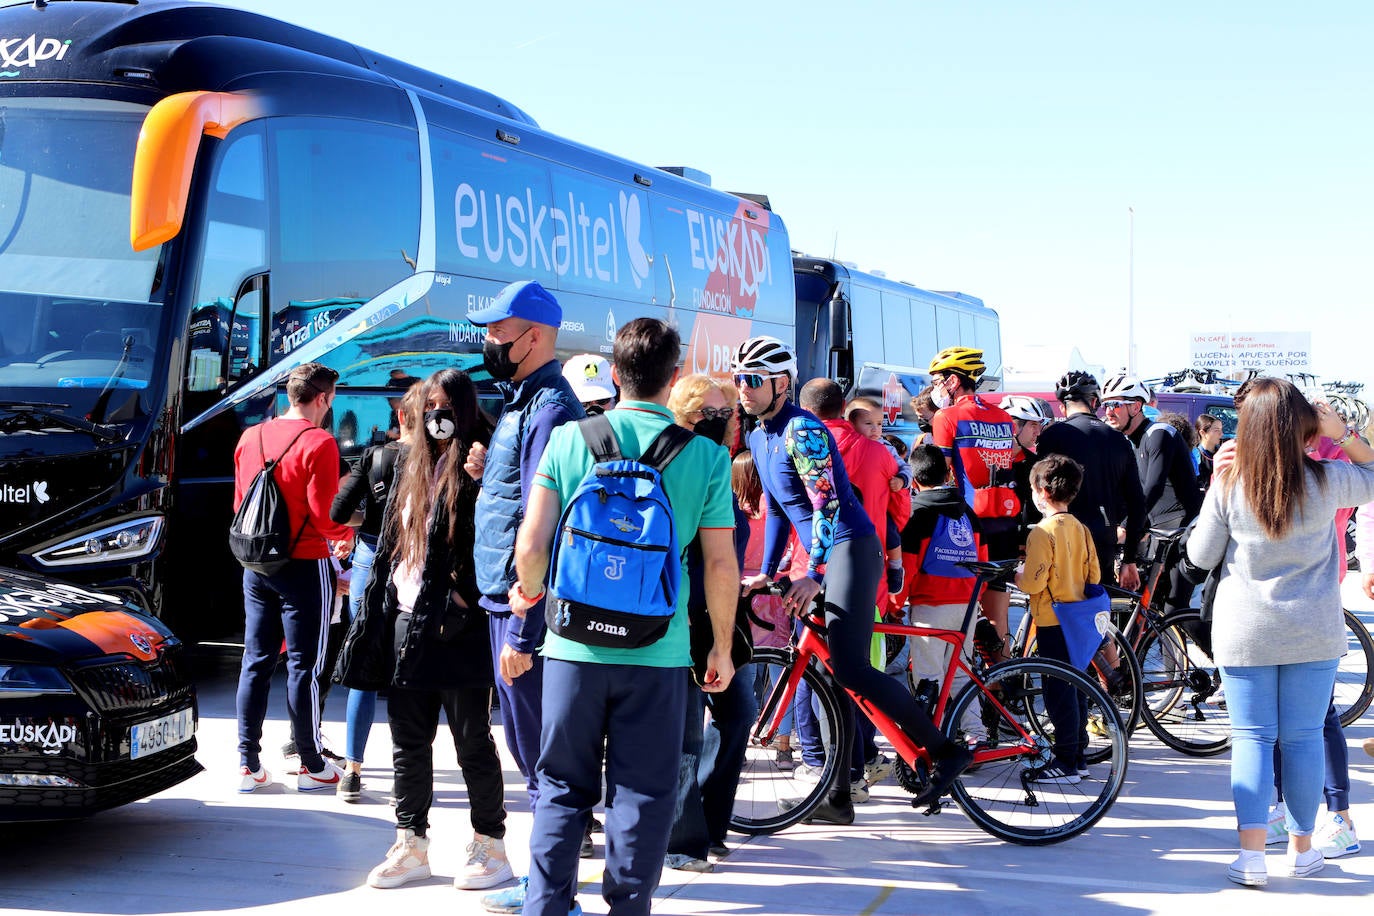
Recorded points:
750,379
716,413
1113,405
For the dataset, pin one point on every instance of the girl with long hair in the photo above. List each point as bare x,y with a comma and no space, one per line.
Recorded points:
1277,630
422,636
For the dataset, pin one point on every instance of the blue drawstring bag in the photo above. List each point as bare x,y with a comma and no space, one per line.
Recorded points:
1084,623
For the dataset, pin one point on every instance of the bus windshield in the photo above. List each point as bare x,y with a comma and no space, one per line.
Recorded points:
78,306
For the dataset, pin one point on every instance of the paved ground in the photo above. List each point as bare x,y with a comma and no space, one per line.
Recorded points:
202,848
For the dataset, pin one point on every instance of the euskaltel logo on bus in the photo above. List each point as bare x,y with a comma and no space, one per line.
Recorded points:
569,236
36,492
599,234
29,52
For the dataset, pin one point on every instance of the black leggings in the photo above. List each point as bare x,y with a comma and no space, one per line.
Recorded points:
852,575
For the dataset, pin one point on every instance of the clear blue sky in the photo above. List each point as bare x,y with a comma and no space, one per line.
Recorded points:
988,147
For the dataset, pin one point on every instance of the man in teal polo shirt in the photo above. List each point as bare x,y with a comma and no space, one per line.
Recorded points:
618,697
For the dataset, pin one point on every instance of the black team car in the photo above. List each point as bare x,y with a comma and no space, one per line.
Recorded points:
96,707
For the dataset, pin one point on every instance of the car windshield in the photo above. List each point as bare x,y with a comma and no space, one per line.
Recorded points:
79,308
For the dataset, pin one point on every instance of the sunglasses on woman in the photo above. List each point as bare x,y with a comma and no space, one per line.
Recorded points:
750,379
716,413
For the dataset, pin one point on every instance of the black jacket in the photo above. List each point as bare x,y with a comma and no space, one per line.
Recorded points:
1111,492
445,646
367,487
1172,495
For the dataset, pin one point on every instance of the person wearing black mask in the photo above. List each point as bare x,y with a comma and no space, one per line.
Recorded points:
522,331
712,754
924,407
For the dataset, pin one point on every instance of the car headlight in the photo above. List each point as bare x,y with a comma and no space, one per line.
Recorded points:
31,679
129,539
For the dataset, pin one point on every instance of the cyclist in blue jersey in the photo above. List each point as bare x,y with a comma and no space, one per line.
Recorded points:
807,488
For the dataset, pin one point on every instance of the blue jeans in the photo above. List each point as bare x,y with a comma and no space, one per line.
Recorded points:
1337,788
614,713
362,704
1287,704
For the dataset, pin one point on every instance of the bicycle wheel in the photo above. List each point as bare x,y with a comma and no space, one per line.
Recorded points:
998,793
1124,689
772,794
1355,676
1183,703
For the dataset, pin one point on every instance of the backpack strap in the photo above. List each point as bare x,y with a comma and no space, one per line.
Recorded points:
666,446
277,460
381,469
600,438
271,469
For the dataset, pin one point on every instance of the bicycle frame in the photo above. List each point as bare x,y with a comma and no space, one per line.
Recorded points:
812,645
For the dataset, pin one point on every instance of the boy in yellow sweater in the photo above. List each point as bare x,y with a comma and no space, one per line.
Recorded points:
1060,561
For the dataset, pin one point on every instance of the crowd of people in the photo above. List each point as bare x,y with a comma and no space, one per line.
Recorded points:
583,553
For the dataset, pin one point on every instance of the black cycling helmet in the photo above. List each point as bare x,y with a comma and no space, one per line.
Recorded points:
1076,386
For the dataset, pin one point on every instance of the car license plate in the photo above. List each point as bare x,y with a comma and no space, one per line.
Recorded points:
147,738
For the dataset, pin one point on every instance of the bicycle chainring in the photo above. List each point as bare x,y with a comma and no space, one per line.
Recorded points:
912,781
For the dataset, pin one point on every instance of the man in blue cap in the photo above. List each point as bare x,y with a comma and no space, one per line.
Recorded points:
522,330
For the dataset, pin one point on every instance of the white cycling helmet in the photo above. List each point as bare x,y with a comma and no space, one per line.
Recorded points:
1122,387
1022,407
765,355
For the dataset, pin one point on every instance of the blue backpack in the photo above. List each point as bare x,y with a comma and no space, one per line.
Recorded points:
952,542
616,563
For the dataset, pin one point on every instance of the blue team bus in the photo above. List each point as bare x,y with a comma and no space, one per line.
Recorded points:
194,200
876,336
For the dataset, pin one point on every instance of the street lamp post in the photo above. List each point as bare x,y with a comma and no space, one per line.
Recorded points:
1130,293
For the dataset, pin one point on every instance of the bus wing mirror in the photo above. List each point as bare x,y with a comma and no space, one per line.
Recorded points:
166,157
841,367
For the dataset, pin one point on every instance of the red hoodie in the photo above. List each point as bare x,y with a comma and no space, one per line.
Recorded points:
308,478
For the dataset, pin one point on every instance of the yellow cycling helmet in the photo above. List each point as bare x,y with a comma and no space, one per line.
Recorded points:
963,360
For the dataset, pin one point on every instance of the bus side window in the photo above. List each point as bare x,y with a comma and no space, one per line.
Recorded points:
866,307
234,247
897,329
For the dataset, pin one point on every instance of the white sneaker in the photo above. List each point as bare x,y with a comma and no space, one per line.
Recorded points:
1303,864
1053,775
487,865
1277,830
858,793
319,780
807,771
1248,868
877,769
1336,838
250,780
407,860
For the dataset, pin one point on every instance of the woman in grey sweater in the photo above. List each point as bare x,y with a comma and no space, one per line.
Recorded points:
1277,629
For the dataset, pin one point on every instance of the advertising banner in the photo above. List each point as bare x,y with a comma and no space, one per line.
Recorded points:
1271,352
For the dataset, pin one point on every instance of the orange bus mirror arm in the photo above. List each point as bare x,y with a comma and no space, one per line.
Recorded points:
166,158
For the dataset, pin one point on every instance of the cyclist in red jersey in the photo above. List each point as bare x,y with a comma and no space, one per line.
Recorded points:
979,439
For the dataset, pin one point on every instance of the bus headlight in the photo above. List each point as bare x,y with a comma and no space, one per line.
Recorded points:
125,540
